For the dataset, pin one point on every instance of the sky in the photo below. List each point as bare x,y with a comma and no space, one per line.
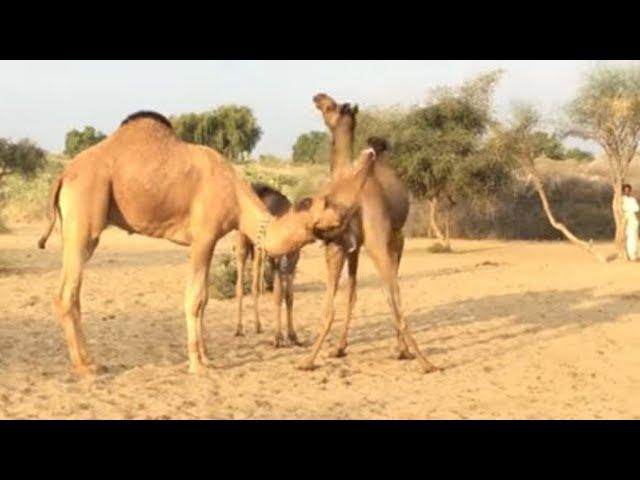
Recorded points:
42,100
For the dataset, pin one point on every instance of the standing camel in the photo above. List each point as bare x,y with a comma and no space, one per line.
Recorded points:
384,206
283,268
145,180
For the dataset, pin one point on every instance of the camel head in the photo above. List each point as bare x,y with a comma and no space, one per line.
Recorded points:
329,212
336,115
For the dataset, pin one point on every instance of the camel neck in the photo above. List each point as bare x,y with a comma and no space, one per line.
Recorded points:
287,233
341,150
280,235
252,213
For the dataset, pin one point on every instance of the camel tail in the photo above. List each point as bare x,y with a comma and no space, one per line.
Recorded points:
53,207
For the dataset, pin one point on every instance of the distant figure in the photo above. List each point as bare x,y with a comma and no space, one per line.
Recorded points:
629,208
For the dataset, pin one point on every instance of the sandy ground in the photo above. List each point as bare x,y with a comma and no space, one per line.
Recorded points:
525,331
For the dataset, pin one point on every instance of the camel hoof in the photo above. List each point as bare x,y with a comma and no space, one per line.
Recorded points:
258,329
293,338
239,333
431,369
306,366
405,355
198,369
86,370
338,353
279,341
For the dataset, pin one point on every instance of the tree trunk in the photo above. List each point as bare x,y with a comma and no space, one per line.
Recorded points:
618,215
447,222
433,224
537,183
428,219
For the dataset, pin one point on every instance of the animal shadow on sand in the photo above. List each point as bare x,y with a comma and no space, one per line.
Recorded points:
125,340
374,281
37,345
552,313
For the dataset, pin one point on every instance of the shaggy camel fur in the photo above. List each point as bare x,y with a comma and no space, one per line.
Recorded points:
384,206
145,180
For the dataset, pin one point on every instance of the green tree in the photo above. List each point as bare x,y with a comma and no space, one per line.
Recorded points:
22,158
607,111
76,141
312,147
231,129
438,149
549,145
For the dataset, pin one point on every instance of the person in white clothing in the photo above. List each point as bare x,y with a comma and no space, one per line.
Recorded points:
630,208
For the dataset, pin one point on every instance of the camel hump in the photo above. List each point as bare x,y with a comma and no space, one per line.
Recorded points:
378,144
158,117
275,201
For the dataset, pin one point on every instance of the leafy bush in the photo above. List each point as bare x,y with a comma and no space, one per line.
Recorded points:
582,204
224,275
24,198
76,141
233,130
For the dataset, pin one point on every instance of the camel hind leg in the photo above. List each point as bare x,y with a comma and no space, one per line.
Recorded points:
385,259
288,299
82,221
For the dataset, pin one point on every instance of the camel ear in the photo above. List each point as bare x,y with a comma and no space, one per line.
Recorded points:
324,102
356,109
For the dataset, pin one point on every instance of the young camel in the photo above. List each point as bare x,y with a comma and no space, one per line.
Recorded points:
145,180
384,206
283,268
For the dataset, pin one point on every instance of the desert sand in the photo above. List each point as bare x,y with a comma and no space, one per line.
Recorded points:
524,330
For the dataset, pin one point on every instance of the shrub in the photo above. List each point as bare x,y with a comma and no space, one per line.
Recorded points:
224,275
25,198
439,248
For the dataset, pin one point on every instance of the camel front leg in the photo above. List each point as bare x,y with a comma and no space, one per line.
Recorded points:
352,266
334,258
258,260
195,303
241,259
277,300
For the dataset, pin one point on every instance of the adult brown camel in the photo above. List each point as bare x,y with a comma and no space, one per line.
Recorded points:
283,268
145,180
384,206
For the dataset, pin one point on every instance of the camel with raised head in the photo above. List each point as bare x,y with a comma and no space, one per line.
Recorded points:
384,206
145,180
283,268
